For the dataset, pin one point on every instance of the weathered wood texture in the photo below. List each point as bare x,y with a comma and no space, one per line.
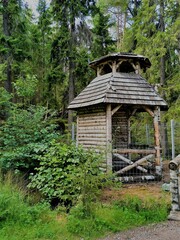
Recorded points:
137,151
118,88
129,162
92,130
135,164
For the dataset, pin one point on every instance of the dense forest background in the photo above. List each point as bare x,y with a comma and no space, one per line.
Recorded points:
44,65
44,60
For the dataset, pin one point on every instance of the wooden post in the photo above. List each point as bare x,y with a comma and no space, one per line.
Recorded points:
77,130
172,138
109,137
157,141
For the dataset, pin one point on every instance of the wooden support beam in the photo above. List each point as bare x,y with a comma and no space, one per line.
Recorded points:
129,162
140,151
116,109
157,137
148,110
109,137
140,161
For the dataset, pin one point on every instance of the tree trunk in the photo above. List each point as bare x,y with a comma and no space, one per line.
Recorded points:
6,57
164,140
71,71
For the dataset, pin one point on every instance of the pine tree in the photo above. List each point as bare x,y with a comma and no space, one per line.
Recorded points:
102,41
68,14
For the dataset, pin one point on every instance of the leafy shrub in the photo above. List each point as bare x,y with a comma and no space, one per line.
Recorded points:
24,137
67,174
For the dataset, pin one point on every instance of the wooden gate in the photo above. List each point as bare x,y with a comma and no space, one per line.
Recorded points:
127,168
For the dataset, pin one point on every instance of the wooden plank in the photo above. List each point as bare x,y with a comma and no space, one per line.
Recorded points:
126,95
126,85
140,161
95,143
90,132
137,102
101,147
92,128
92,119
93,135
92,139
100,119
140,151
91,124
129,162
135,92
133,87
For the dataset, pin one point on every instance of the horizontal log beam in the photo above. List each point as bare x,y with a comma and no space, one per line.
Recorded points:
140,151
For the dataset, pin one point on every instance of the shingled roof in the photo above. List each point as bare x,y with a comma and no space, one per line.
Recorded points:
118,88
143,61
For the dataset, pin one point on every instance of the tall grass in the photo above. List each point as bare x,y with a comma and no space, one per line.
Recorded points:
121,215
21,219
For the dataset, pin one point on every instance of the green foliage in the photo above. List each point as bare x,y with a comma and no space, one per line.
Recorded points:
4,103
25,87
102,43
20,219
122,215
66,174
29,221
14,207
24,137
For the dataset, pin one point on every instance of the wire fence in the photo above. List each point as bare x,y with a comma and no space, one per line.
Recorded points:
142,137
170,137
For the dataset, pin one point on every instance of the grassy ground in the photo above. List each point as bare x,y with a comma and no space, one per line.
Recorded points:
118,209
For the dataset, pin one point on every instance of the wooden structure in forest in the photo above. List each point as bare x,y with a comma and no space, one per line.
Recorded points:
104,109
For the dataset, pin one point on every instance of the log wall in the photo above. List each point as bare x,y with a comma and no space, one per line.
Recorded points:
92,130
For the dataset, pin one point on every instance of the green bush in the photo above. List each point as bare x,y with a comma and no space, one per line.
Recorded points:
24,137
67,174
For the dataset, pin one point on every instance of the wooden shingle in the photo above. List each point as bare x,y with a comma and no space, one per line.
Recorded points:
118,88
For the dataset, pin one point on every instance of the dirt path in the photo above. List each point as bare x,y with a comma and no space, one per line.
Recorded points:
169,230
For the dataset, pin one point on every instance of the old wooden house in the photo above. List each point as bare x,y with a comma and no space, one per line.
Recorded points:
104,109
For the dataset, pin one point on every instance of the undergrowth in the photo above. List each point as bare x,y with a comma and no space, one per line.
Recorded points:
121,215
20,218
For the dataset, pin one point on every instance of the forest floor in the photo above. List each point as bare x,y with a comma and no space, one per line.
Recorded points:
167,230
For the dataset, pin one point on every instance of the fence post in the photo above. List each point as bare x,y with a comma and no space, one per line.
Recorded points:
172,139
